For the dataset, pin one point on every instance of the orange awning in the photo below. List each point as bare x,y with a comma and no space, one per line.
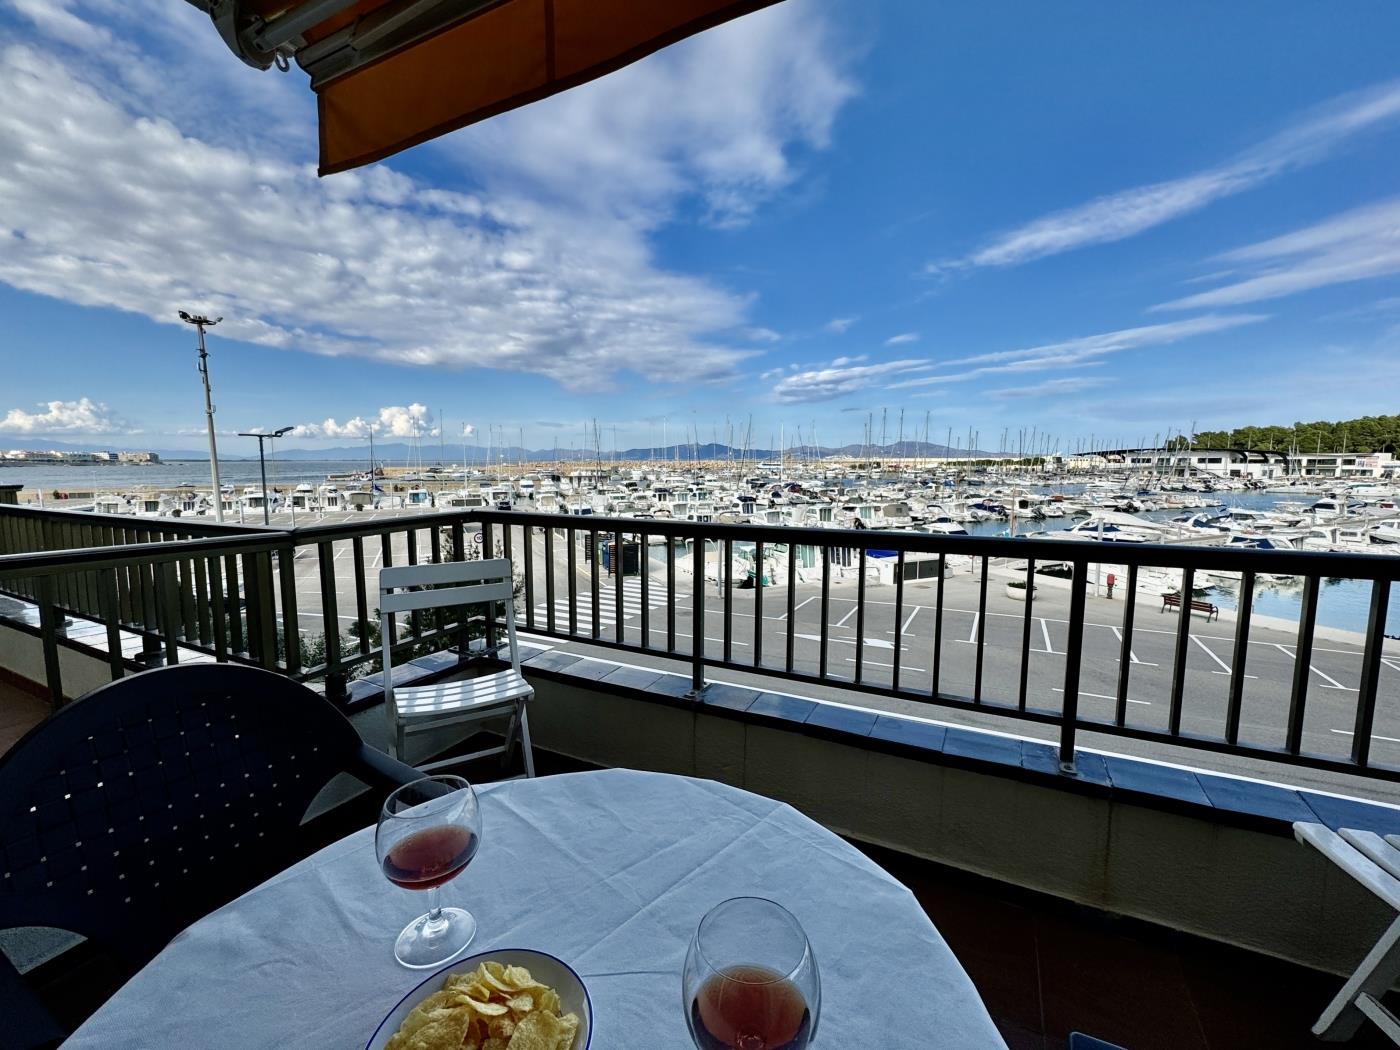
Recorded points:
390,74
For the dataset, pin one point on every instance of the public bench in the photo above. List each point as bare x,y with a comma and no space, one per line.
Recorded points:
1173,601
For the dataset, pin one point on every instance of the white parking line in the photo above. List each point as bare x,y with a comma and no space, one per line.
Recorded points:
1045,633
1332,683
1225,667
1132,656
972,636
799,605
1101,696
877,643
1374,736
1393,667
877,663
910,620
842,622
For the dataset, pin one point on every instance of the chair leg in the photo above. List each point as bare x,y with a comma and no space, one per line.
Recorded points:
525,742
1373,977
511,739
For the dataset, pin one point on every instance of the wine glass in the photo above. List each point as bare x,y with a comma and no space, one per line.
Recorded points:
751,980
429,831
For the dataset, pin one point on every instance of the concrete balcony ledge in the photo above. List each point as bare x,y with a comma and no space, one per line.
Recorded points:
1207,854
1238,801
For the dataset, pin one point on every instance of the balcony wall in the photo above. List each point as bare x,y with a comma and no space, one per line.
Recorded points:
1236,879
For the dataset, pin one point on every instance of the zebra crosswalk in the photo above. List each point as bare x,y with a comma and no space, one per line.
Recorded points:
608,613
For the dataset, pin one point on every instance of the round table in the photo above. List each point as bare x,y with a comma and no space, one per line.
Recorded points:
609,871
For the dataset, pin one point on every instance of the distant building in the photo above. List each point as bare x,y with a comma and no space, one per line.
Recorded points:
138,457
1220,462
1348,465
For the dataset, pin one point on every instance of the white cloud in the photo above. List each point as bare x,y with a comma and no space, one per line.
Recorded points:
1116,216
902,339
719,116
1051,387
83,416
1082,352
837,325
148,196
1352,246
762,335
400,421
843,376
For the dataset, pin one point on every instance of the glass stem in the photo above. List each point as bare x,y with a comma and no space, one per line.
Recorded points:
435,905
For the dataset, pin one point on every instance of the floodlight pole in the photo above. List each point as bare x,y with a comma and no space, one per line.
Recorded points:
200,322
262,463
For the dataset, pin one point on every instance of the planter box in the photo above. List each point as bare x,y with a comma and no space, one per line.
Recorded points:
1017,593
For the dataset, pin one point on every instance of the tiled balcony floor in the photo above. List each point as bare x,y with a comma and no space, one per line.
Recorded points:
1044,967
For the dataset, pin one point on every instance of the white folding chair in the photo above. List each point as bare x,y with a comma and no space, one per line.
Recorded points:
1374,862
503,695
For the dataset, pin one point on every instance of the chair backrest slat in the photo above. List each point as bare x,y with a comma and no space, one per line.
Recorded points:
445,597
396,576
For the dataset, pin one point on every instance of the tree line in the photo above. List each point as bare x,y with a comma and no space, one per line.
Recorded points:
1366,434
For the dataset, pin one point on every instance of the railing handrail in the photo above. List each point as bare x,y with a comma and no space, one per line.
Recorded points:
136,521
1016,548
47,563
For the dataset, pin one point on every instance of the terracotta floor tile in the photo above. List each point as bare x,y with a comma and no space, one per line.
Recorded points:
1113,986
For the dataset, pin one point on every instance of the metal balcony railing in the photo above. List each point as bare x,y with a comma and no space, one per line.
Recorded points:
238,594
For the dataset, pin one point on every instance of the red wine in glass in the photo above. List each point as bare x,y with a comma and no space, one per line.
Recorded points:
750,1008
430,857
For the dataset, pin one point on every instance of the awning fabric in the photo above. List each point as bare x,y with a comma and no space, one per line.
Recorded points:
498,58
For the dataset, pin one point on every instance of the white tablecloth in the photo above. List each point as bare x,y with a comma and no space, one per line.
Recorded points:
609,871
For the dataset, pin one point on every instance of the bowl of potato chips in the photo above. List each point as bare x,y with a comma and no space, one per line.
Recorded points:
506,999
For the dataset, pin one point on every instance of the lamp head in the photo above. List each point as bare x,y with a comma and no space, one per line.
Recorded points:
284,430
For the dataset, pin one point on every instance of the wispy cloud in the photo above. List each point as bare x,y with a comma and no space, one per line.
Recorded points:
83,416
837,325
1052,387
1082,352
1352,246
1117,216
845,375
762,335
902,339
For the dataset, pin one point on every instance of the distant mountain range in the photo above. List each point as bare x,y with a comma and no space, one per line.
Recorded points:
398,453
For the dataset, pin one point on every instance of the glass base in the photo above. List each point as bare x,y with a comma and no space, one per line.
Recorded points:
429,942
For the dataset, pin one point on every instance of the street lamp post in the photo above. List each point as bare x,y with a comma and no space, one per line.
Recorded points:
262,463
201,323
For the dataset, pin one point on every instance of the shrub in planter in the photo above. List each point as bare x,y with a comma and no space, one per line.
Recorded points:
1016,590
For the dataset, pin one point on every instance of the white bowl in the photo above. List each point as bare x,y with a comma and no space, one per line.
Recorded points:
573,996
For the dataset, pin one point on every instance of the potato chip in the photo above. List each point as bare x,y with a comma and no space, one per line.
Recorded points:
488,1009
503,1027
542,1031
518,977
494,1007
443,1029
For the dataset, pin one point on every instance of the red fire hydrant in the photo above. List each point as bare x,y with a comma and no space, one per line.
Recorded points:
1112,579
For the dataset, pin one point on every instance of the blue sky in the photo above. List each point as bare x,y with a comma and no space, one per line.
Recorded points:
1093,219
